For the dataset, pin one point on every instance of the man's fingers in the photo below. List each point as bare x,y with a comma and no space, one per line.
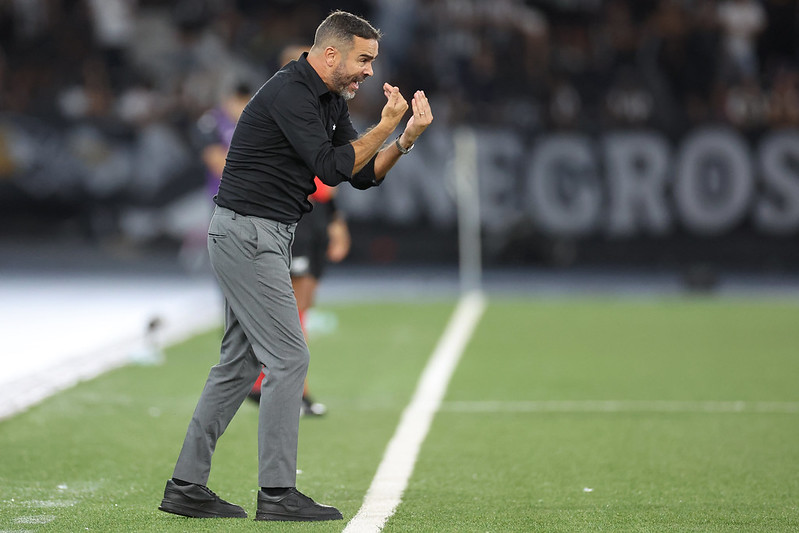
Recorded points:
421,106
396,105
395,99
389,90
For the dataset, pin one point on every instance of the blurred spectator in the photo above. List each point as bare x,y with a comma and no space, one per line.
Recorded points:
699,75
778,41
565,104
746,105
741,22
628,103
783,99
91,96
113,22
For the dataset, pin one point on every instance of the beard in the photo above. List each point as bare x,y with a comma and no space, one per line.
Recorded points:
342,83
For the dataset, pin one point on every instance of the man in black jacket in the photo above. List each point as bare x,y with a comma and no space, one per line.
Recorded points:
297,126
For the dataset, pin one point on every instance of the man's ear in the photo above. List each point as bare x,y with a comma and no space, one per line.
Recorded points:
331,55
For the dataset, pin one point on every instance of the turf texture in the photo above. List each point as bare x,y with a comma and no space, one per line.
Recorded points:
674,414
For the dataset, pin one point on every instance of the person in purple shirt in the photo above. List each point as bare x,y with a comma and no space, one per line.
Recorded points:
215,130
211,138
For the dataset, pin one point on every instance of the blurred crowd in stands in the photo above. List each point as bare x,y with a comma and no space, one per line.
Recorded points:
99,98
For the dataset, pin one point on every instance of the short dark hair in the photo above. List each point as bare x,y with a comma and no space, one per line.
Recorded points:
339,28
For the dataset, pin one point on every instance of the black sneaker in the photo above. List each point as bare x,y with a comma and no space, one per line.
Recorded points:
312,408
255,396
197,501
294,506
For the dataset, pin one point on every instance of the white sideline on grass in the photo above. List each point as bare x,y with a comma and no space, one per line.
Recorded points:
58,331
385,492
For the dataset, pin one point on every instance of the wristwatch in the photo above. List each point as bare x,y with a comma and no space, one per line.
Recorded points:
402,150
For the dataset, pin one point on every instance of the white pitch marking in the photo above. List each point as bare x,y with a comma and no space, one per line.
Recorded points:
48,503
385,492
41,519
622,406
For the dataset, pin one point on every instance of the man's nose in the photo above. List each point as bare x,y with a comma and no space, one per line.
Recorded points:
368,71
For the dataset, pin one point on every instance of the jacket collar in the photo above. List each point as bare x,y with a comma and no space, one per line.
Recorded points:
314,81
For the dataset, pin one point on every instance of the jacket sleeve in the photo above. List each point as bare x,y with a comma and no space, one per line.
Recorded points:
345,133
296,111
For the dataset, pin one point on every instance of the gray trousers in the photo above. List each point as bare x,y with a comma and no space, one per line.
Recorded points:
251,258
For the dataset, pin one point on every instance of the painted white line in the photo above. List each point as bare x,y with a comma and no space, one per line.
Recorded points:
40,519
622,406
57,332
385,492
46,503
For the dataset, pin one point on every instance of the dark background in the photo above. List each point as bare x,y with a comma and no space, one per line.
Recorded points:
99,102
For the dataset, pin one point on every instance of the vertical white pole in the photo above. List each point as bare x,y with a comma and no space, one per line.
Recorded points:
468,204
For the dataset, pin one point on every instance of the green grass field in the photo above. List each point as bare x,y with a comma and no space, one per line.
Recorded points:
563,415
